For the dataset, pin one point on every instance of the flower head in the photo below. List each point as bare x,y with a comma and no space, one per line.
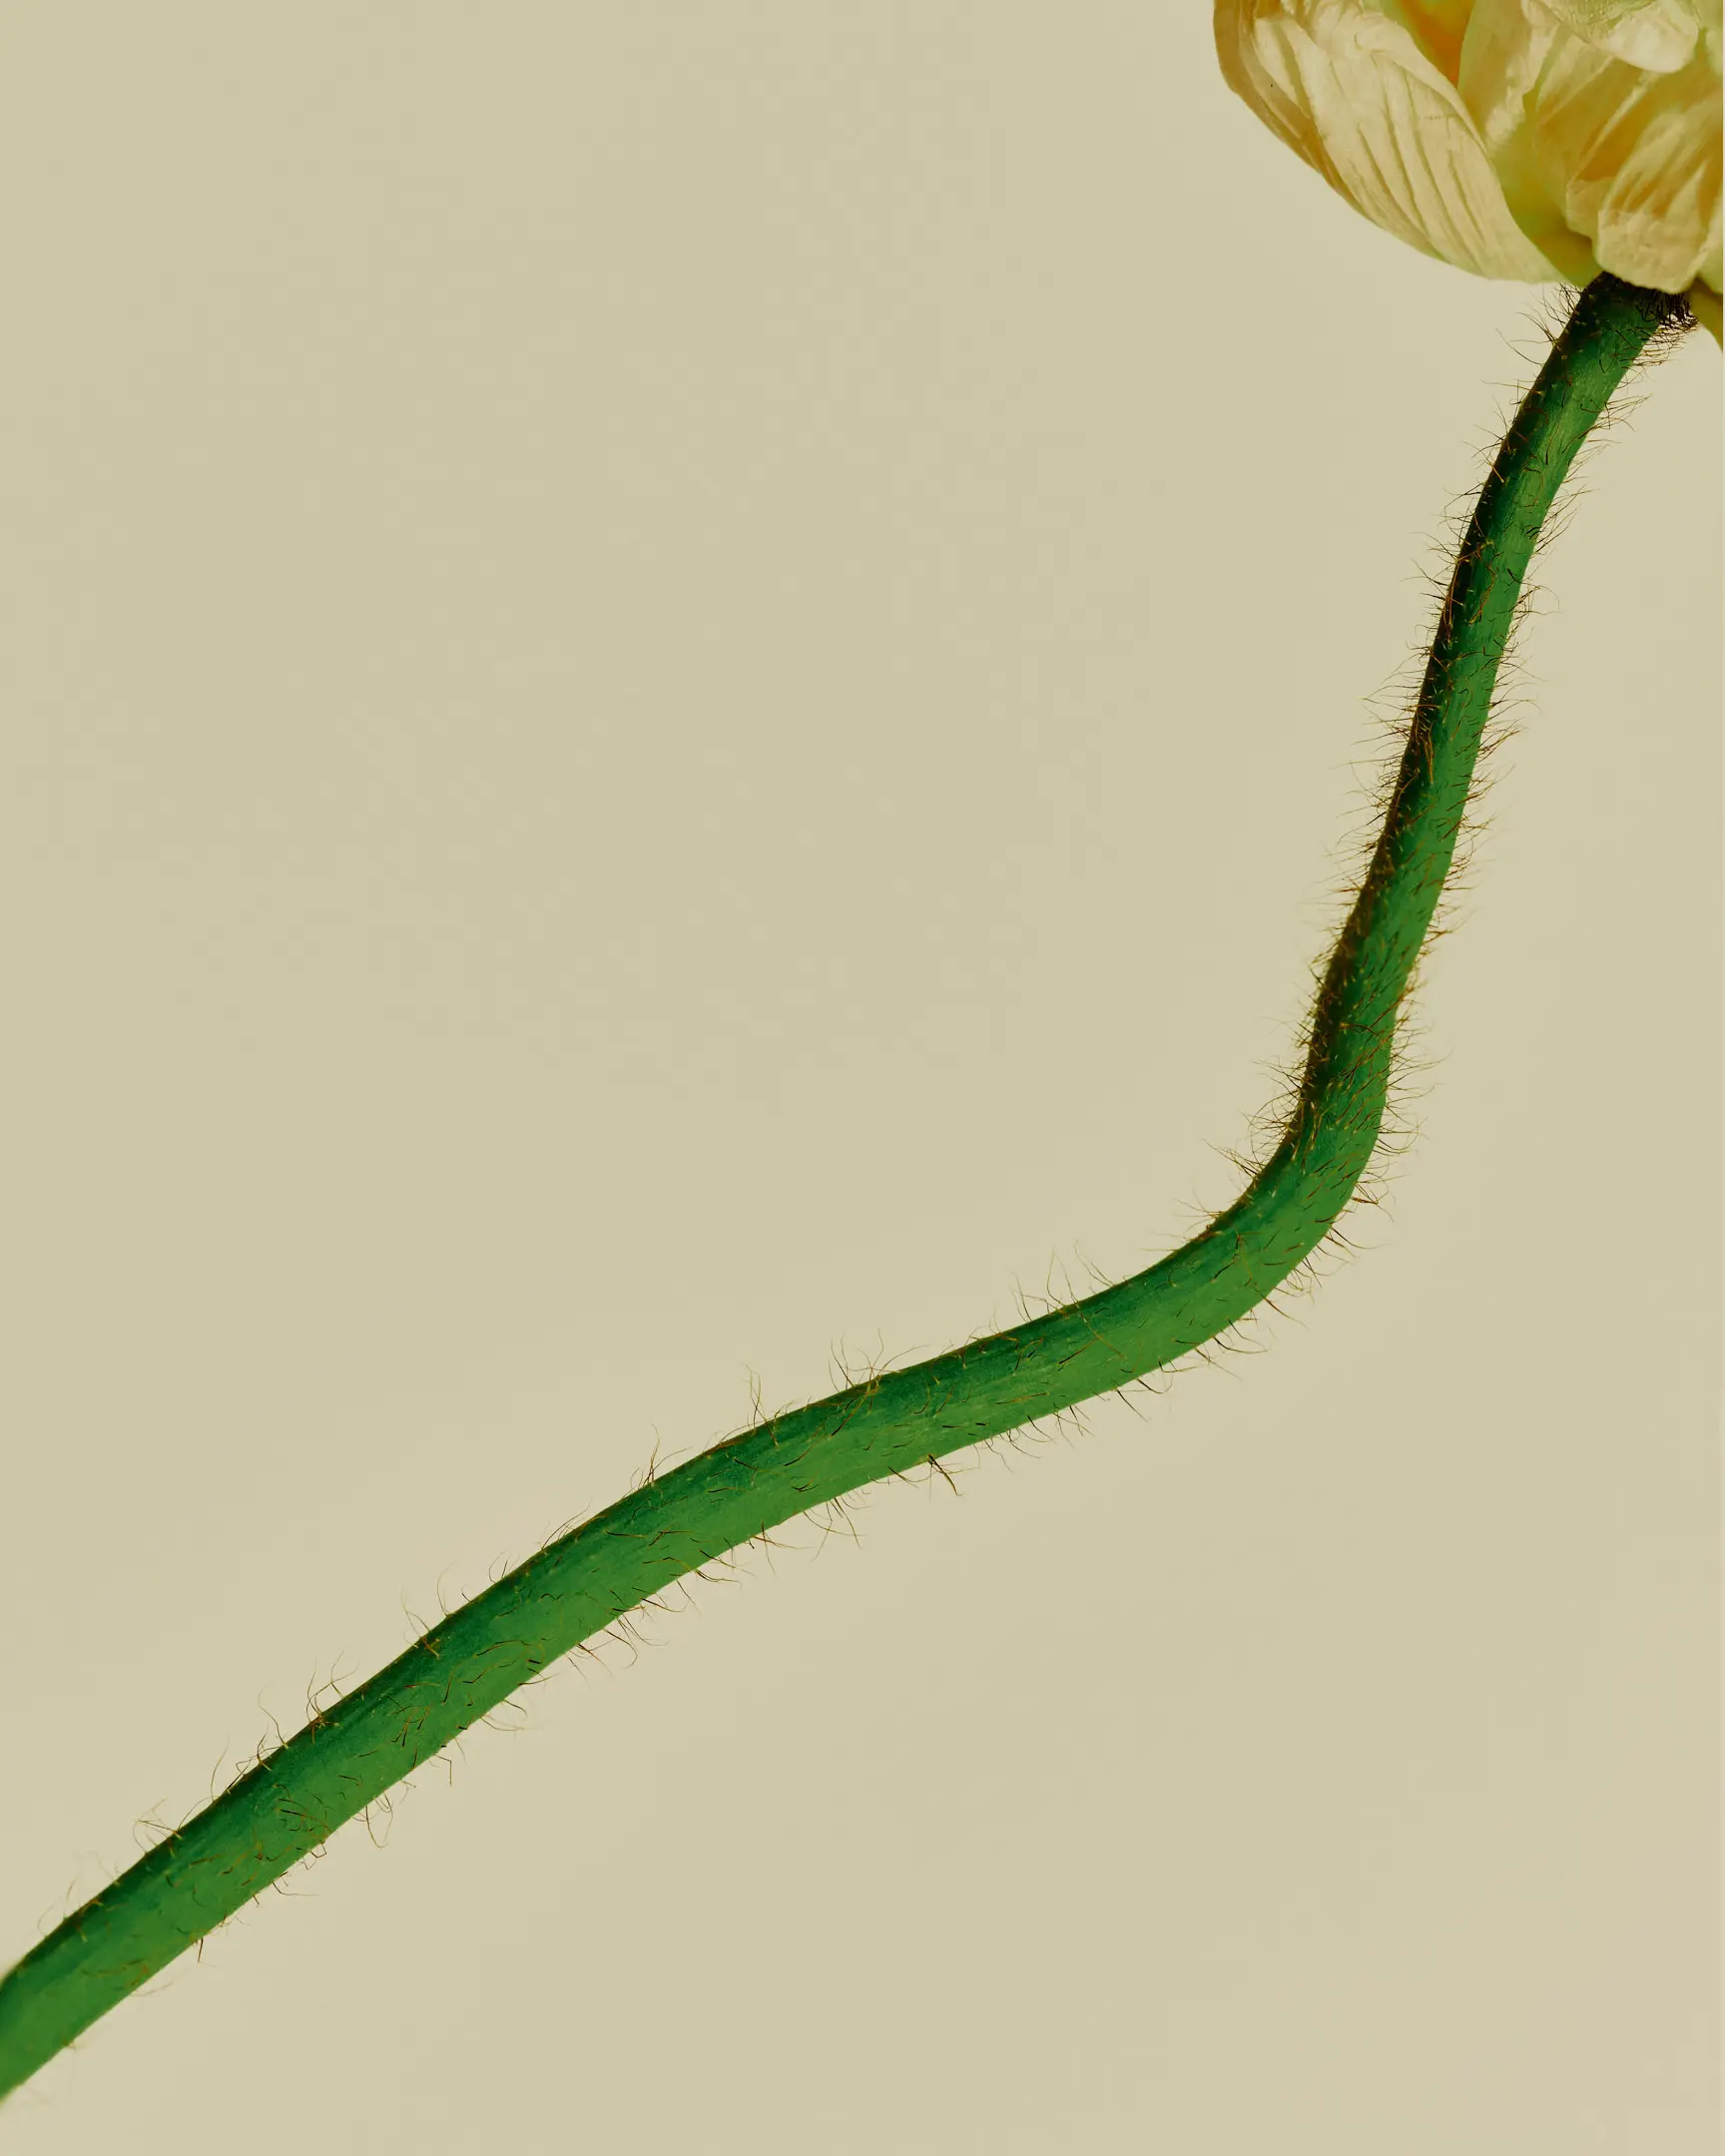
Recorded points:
1541,140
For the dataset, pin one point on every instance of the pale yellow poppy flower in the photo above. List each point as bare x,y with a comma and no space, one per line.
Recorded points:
1543,140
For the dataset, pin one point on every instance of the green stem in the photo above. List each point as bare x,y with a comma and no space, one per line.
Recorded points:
343,1760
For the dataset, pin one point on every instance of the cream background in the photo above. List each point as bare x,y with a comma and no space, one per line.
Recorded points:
681,687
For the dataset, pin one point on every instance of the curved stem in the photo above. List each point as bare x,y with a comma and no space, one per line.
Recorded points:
576,1586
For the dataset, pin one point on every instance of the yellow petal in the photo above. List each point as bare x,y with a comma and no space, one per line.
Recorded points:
1704,304
1658,35
1504,52
1628,160
1349,89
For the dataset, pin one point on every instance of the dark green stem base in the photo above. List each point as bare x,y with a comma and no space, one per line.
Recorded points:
576,1586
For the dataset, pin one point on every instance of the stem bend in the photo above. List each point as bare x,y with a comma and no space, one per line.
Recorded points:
343,1760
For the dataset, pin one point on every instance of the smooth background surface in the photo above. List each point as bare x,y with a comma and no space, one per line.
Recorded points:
684,687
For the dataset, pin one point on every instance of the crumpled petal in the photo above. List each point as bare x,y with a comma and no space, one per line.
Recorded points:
1603,162
1352,91
1655,34
1507,43
1528,138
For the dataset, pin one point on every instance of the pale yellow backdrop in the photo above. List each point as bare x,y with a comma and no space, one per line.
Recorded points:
681,687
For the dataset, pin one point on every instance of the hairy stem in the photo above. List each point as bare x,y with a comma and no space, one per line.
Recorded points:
343,1760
